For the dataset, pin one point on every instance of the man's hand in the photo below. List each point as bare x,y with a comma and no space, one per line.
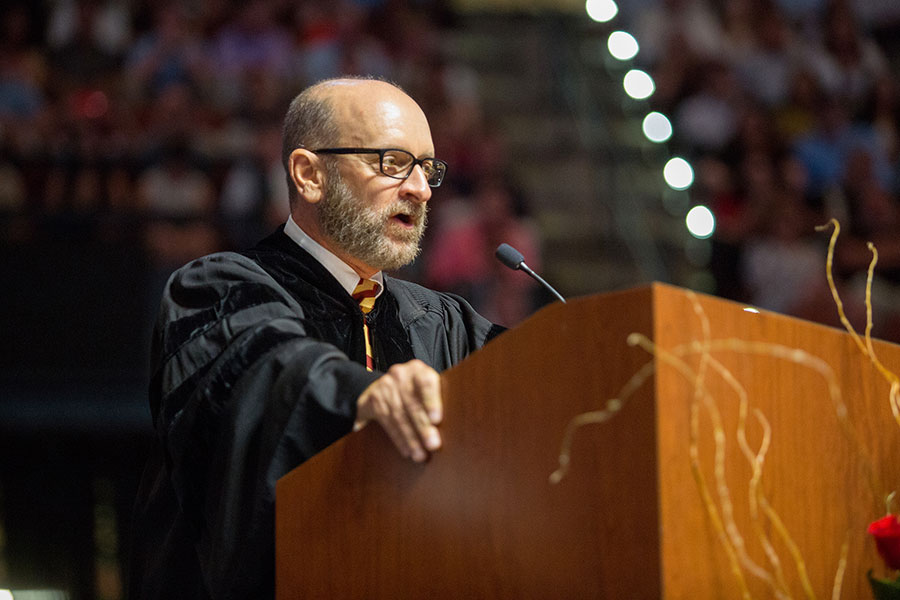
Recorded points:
406,402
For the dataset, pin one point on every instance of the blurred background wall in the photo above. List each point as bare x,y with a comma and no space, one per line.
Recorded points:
687,141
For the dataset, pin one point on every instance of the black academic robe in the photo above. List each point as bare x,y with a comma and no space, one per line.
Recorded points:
258,360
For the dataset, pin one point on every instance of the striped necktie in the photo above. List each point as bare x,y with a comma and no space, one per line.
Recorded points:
364,294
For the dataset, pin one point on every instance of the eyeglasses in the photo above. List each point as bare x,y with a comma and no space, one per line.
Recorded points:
397,163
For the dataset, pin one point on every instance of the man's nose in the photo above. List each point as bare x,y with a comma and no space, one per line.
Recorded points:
415,187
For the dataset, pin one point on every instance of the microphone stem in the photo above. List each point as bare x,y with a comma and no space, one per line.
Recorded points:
540,280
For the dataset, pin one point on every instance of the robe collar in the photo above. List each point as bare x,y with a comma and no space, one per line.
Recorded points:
340,270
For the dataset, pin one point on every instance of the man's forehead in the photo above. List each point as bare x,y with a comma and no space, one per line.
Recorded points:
362,95
368,109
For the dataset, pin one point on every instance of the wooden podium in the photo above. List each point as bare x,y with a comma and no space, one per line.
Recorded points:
481,520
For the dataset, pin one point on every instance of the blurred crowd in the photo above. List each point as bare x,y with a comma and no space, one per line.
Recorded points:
137,135
790,111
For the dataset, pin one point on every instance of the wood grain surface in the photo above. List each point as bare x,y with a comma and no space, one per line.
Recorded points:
481,520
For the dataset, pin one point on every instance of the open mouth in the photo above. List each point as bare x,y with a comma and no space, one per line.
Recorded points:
404,219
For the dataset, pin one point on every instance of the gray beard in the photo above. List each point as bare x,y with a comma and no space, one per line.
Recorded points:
365,233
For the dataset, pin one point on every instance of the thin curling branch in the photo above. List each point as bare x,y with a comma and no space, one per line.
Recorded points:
841,569
870,273
889,375
867,349
613,406
829,264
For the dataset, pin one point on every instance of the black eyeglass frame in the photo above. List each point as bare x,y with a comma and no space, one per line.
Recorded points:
440,166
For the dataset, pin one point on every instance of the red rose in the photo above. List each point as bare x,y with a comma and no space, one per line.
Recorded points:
887,538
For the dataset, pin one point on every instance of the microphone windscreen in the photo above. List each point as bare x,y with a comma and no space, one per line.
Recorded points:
509,256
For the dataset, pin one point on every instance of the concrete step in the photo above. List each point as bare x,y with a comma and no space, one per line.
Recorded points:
592,180
493,44
504,92
541,135
570,185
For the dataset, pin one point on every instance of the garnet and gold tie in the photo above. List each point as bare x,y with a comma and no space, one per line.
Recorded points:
364,294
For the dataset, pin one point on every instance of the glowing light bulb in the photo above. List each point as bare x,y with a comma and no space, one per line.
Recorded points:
678,173
657,127
638,84
622,45
601,11
701,222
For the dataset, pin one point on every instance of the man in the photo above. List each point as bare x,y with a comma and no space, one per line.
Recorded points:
260,357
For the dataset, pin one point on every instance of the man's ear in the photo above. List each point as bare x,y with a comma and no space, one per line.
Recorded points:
308,175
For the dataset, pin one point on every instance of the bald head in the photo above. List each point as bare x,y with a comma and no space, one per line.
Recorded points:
347,112
335,133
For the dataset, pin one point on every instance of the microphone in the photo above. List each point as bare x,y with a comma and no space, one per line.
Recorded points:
513,259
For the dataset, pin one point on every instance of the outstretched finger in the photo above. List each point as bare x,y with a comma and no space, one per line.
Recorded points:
400,426
427,432
428,387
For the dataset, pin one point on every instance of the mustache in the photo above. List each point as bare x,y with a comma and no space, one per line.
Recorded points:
416,211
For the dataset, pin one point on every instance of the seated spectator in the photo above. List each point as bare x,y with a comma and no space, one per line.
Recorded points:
796,116
783,265
177,197
709,119
168,54
319,45
825,151
766,69
174,188
873,215
250,42
23,69
882,110
243,201
688,24
461,257
849,62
